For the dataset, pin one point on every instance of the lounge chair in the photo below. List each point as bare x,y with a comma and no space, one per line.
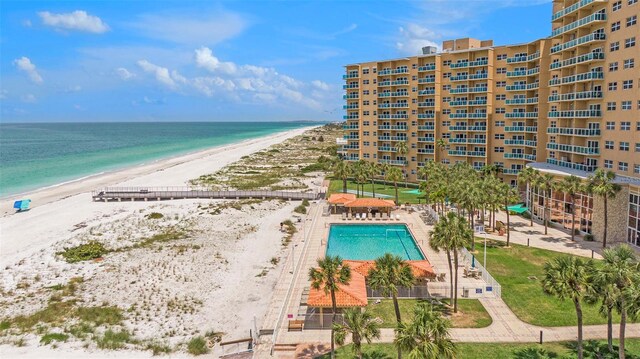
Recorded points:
357,216
378,216
349,216
369,216
344,216
385,216
397,217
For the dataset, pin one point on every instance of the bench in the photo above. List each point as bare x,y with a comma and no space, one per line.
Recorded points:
296,325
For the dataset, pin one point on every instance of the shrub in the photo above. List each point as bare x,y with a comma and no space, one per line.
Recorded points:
197,346
155,215
305,202
158,348
84,252
50,337
589,237
300,209
4,325
100,315
321,139
113,340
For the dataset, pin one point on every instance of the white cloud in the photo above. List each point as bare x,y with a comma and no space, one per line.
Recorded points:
29,98
191,28
414,37
321,85
78,20
161,74
124,73
205,59
25,64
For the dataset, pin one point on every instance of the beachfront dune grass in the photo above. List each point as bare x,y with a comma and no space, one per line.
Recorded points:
471,312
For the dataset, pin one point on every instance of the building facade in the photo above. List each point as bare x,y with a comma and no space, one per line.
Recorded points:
566,104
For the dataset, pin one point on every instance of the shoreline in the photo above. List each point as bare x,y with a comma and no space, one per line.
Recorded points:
48,194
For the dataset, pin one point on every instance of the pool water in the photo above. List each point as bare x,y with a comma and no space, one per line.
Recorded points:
413,191
371,241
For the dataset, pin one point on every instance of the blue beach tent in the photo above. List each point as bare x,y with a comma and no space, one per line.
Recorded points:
22,205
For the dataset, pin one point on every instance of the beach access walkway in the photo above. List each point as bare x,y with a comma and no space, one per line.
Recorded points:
170,193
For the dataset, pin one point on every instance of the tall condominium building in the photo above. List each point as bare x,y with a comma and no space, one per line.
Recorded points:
566,104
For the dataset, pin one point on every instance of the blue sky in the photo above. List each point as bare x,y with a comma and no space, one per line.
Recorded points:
216,61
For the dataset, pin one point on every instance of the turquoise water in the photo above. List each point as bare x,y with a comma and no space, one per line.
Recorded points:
371,241
413,191
44,154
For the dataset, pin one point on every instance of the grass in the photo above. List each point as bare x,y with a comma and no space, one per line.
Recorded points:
155,215
335,186
197,346
51,337
57,313
114,340
300,209
519,270
84,252
471,313
501,350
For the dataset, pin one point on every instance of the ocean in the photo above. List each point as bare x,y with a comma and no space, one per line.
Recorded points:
37,155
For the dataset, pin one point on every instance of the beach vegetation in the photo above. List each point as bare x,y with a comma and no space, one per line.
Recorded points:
114,340
157,348
197,346
169,234
275,261
80,330
51,337
84,252
300,209
155,215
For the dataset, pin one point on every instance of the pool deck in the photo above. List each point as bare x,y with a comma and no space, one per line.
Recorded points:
309,246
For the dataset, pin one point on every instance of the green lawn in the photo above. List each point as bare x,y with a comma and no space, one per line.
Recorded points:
471,313
499,350
336,187
519,270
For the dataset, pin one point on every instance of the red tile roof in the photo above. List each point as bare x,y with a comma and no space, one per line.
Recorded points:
341,198
353,294
370,202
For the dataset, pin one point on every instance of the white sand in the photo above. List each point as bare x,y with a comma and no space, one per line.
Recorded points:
206,282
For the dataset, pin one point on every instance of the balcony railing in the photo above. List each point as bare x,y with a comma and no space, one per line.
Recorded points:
392,138
579,23
351,137
350,86
458,103
392,127
522,101
427,92
585,76
596,36
427,67
572,8
512,142
481,76
582,150
394,105
457,153
426,80
350,127
575,114
518,87
578,59
426,151
583,95
477,102
387,149
459,78
566,164
426,116
516,59
477,153
518,73
427,139
350,107
394,83
396,116
393,162
350,117
521,115
574,131
351,75
477,128
426,128
426,104
528,129
402,70
351,96
394,94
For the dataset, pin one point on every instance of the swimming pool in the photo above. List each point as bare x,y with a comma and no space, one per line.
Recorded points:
371,241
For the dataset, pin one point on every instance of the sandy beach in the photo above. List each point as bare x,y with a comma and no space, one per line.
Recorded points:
177,269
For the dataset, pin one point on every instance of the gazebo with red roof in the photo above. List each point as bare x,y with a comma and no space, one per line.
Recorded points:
341,199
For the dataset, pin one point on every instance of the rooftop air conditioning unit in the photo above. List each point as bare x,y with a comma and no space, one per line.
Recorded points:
428,50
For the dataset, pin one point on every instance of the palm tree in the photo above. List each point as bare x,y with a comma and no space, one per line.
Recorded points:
604,292
569,277
388,275
342,170
402,149
361,325
427,336
529,175
601,184
361,174
373,170
572,185
331,272
509,195
394,175
452,233
441,144
620,269
545,183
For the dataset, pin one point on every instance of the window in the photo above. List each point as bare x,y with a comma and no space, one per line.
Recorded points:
501,84
501,70
624,146
365,92
623,166
627,84
446,75
365,71
499,123
498,149
608,145
637,146
625,126
613,66
615,26
500,136
629,63
636,169
500,110
630,42
446,111
610,125
638,126
632,20
502,56
613,86
608,164
617,6
626,105
501,97
446,87
365,82
614,46
611,106
631,2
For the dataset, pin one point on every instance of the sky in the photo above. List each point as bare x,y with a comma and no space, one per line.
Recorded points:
86,61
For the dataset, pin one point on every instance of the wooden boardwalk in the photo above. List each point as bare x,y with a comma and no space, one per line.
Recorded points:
169,193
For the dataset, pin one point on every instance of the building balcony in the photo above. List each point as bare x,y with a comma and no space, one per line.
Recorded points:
477,153
570,9
393,83
575,166
393,138
350,96
427,128
426,104
522,101
527,143
392,127
514,156
581,150
587,39
576,96
387,149
574,131
533,86
575,114
519,73
351,75
521,115
426,92
426,116
533,71
396,116
427,139
350,117
350,86
426,80
354,106
350,127
597,17
531,158
427,67
393,162
592,56
517,59
519,87
458,128
459,90
477,89
458,103
527,129
478,102
426,151
350,147
480,76
351,137
394,94
585,76
477,128
510,171
458,115
457,153
398,71
394,105
352,157
459,78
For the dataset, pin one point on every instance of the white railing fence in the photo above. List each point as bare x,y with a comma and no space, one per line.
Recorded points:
492,285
